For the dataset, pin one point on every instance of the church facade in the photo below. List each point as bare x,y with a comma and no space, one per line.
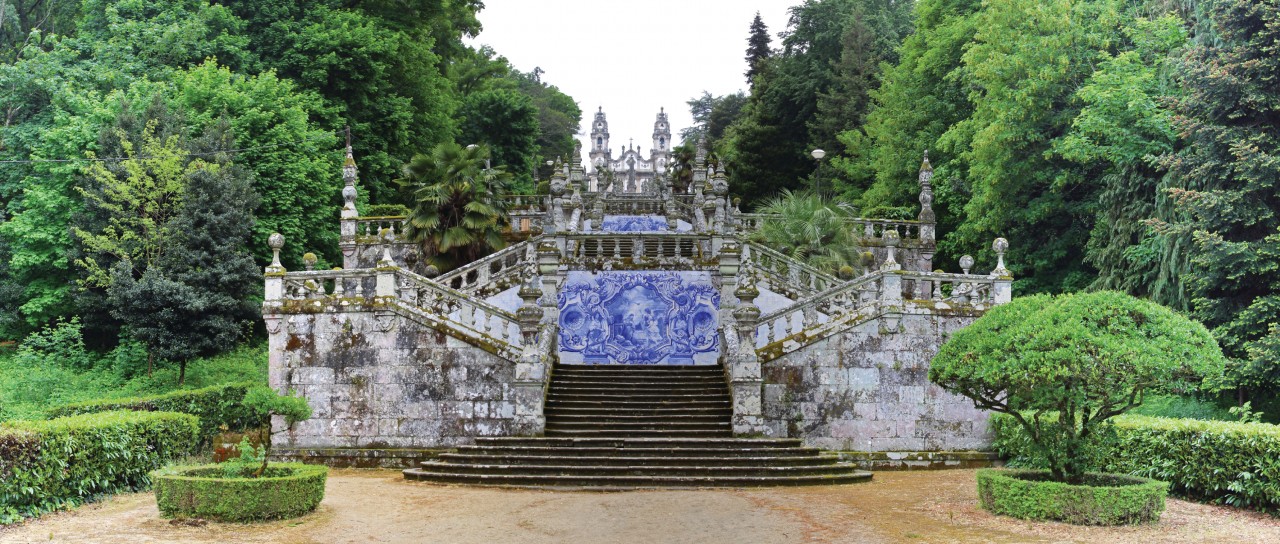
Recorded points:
631,171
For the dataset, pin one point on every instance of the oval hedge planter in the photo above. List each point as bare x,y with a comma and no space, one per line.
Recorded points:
1105,499
286,490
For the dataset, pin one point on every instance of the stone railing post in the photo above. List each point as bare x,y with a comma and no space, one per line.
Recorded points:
890,301
527,390
271,308
347,224
745,377
1002,286
385,286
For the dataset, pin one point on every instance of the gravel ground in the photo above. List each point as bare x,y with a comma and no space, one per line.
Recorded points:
379,506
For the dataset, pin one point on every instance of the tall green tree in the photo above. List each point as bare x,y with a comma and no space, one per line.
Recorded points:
506,122
455,216
758,51
1226,182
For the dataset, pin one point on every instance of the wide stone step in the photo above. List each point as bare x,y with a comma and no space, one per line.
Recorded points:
623,403
652,442
611,410
633,452
714,383
639,433
620,397
647,369
632,482
623,416
638,470
607,459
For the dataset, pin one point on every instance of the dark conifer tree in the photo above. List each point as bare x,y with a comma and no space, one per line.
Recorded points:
757,47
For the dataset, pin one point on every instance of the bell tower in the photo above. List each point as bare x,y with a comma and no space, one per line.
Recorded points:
600,140
661,135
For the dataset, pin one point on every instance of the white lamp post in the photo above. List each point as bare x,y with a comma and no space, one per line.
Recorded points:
817,154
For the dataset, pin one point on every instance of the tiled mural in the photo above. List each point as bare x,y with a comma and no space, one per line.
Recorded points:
634,223
667,318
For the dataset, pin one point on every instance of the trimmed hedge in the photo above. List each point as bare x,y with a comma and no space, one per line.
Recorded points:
1105,499
47,465
215,406
286,490
1216,461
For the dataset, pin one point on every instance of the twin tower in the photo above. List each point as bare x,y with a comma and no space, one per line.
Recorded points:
630,170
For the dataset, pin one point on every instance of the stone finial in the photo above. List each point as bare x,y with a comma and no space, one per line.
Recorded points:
926,191
309,261
388,237
432,271
890,237
1000,245
966,262
700,155
276,243
529,314
349,171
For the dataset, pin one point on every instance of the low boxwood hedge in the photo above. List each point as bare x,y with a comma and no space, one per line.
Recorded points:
47,465
216,406
1105,499
1215,461
286,490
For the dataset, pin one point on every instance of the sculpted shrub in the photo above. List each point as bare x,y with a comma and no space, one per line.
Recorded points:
1062,367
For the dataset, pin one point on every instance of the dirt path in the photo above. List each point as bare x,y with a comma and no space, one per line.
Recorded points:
379,506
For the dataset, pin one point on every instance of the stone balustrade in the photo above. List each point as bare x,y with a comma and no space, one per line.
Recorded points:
783,274
633,206
373,226
869,229
819,308
341,286
479,321
494,273
675,249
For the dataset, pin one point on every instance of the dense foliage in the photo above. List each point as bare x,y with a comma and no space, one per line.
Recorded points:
219,407
287,490
811,229
456,215
1216,461
1106,499
1062,367
170,138
48,465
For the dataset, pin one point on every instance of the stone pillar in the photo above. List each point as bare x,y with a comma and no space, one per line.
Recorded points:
890,287
745,381
273,299
386,278
1002,288
347,225
529,387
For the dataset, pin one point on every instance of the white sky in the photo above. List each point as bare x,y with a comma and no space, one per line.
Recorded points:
631,57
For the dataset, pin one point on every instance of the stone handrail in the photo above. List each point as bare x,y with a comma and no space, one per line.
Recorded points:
494,273
973,290
785,274
584,247
861,227
524,202
818,308
325,284
633,206
372,226
474,318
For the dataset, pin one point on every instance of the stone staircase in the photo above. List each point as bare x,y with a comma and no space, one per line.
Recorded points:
637,426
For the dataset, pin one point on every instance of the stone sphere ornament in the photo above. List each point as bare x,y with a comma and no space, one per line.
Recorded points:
275,241
309,260
966,262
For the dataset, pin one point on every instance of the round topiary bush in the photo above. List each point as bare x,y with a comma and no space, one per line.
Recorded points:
1103,499
285,490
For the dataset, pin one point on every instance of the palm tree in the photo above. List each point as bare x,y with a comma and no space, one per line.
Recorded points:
456,215
810,229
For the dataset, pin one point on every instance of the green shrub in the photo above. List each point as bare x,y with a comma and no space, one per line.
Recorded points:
47,465
1216,461
1183,407
286,490
1104,499
386,210
215,406
1081,358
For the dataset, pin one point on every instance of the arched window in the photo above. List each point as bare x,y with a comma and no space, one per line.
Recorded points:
662,142
599,142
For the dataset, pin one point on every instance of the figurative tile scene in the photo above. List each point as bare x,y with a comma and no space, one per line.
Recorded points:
639,318
634,223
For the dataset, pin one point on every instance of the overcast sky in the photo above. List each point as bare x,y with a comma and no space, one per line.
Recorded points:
631,57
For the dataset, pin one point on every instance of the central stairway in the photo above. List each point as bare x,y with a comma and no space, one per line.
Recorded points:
637,426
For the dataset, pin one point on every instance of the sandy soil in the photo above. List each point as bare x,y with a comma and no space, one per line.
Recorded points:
379,506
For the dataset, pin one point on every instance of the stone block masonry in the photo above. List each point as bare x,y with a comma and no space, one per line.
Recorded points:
387,382
863,390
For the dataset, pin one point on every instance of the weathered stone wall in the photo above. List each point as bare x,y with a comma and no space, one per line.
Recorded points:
407,386
862,390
